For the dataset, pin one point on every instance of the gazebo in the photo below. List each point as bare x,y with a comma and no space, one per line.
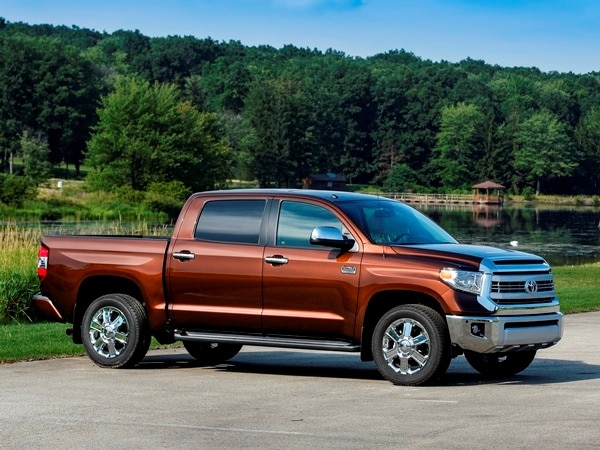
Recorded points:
488,193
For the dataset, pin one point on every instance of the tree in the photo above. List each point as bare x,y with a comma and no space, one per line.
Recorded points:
587,134
48,87
459,145
544,149
35,151
146,135
279,112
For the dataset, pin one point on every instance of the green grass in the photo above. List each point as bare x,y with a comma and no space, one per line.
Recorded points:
22,342
29,342
577,287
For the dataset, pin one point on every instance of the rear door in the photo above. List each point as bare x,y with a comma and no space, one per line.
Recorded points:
215,266
309,290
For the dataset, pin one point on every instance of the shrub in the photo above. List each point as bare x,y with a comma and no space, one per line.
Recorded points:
166,197
528,193
14,189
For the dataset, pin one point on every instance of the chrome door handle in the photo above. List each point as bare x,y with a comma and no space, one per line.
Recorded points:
184,255
276,260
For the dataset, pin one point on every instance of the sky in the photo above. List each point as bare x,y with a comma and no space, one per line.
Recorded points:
552,35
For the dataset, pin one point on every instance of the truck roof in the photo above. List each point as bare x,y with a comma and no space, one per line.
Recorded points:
332,196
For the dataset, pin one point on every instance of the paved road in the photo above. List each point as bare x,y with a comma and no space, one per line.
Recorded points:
272,398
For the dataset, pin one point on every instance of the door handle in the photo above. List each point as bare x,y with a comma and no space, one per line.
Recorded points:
276,260
184,255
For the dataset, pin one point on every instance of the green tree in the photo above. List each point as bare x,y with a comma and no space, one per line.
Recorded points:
35,151
460,142
48,87
544,149
280,114
587,134
147,135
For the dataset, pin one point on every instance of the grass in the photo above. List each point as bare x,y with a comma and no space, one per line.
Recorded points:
30,342
577,287
23,342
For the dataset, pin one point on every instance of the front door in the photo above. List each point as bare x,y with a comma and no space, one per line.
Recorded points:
308,290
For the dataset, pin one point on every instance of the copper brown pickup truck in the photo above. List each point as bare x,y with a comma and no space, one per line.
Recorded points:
320,270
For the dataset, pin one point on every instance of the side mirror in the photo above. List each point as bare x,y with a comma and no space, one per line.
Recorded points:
331,237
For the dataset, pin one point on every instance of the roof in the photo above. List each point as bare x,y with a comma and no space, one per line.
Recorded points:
488,185
331,196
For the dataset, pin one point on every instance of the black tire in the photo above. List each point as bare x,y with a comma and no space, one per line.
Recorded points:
411,345
500,364
115,331
211,353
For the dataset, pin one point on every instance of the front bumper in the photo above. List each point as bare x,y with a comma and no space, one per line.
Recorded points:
45,309
505,333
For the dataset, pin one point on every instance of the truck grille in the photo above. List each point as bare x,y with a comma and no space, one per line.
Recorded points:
521,282
518,287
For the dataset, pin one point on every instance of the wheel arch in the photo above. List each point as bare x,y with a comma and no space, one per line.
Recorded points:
381,303
96,286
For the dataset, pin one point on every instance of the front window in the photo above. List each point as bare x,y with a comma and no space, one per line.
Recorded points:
391,222
297,220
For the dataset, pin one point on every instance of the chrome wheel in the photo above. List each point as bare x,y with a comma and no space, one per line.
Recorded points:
411,345
109,332
115,331
406,346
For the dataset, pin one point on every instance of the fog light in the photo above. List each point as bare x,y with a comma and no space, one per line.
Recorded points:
478,329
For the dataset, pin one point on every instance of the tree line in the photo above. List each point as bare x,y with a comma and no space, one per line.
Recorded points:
138,110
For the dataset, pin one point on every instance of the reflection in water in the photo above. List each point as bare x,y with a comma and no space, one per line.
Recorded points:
562,235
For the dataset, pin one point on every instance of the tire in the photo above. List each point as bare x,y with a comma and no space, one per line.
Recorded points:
500,364
115,331
211,353
411,345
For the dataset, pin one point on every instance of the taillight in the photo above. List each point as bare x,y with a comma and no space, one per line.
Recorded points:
42,266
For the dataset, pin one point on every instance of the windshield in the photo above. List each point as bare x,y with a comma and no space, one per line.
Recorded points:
387,221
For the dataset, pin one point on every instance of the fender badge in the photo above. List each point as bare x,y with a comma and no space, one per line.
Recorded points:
351,270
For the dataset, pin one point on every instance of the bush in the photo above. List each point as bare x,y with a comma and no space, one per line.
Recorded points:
528,193
14,189
166,197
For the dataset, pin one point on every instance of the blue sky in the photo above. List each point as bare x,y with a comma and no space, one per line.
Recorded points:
553,35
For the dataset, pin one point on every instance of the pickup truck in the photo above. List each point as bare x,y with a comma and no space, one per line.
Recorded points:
304,269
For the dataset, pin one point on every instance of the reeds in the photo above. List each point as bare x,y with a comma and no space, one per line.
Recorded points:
18,270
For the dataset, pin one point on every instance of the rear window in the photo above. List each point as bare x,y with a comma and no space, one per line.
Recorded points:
231,221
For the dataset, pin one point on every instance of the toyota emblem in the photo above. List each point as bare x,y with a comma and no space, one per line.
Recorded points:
531,286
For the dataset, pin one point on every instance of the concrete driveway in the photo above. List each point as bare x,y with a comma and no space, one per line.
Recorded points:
273,398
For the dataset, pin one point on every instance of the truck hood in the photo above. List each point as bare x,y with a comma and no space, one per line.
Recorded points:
464,253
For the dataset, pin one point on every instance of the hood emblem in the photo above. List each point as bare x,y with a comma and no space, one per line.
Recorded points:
531,286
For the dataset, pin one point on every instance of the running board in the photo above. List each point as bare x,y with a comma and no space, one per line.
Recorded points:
265,341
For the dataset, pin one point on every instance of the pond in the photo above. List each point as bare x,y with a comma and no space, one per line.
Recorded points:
564,235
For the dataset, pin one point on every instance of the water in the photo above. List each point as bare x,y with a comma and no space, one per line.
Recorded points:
563,235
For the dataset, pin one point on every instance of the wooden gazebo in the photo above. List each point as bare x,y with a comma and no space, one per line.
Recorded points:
488,193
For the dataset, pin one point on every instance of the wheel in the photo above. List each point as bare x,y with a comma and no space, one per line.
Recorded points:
500,364
411,345
115,331
211,352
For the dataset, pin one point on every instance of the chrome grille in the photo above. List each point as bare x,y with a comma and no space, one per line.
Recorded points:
518,287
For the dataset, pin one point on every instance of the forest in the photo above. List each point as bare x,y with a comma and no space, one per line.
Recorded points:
135,110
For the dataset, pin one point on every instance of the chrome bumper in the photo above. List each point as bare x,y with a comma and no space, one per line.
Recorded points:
505,333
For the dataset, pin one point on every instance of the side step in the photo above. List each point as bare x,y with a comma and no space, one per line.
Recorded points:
266,341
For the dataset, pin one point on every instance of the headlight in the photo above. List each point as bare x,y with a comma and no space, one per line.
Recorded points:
462,280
